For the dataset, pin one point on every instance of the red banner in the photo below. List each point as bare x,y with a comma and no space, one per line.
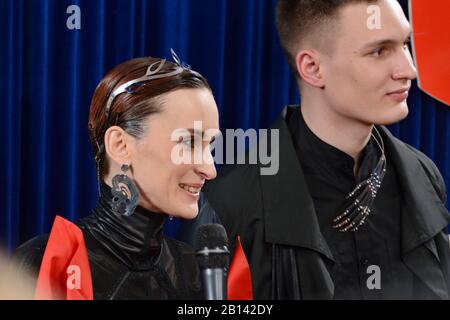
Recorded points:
239,276
65,273
431,46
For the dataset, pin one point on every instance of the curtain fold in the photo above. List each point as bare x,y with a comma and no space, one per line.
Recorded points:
48,74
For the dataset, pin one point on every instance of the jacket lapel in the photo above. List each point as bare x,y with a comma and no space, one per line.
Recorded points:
290,217
423,215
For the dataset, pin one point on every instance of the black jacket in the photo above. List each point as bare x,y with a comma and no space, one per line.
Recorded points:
129,257
280,234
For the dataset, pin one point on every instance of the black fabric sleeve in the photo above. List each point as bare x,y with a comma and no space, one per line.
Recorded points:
27,258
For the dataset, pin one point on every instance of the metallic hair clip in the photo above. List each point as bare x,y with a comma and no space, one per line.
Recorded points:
178,60
152,73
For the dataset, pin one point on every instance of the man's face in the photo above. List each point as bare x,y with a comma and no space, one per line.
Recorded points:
369,72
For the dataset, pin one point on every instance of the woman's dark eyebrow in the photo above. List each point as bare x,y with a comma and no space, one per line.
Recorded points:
200,133
195,132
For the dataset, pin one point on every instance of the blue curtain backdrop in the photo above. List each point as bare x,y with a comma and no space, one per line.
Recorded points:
48,74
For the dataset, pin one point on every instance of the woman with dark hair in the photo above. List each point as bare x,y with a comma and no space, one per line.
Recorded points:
142,121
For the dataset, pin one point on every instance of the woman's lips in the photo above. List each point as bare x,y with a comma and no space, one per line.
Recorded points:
191,189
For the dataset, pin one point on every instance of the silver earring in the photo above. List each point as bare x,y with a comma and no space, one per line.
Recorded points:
125,193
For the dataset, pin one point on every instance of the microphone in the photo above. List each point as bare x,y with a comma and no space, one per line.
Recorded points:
213,257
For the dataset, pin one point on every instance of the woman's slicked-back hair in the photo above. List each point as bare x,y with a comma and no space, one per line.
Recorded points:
129,111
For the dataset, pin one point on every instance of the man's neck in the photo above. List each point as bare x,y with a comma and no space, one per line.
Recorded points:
347,135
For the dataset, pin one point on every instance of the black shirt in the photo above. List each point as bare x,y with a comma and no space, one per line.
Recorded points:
375,248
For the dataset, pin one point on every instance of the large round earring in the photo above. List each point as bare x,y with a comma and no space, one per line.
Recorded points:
125,193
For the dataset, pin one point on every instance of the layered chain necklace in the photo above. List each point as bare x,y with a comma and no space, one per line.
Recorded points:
364,194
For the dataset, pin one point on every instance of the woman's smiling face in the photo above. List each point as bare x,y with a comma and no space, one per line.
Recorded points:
166,185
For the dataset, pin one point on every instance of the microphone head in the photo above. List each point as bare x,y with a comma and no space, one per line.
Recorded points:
211,244
211,235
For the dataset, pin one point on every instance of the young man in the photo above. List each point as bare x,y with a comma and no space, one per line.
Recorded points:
353,213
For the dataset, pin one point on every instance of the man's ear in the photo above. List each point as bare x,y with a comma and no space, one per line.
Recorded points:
117,145
309,68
